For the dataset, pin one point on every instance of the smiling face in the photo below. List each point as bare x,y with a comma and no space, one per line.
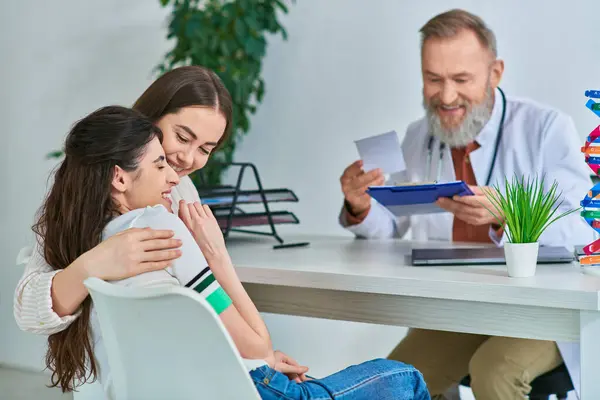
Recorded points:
459,75
149,184
190,135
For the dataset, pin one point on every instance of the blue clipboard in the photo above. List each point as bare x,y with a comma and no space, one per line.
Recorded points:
417,199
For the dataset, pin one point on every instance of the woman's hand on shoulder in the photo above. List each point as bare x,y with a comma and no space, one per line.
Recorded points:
203,225
132,252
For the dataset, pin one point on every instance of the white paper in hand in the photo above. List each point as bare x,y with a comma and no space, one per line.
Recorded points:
381,151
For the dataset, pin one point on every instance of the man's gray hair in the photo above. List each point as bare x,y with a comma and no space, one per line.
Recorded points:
450,23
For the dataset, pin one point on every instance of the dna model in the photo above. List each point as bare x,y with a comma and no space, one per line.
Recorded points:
591,202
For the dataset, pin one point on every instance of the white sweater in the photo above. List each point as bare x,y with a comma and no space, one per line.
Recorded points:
33,300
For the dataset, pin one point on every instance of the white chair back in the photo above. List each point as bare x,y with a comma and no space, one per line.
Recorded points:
167,343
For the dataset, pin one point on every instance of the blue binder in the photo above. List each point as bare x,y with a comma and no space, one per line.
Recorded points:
417,199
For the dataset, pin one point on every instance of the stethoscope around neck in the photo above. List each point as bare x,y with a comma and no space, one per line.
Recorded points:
442,148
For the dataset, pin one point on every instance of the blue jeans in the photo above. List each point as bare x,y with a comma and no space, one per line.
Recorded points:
377,379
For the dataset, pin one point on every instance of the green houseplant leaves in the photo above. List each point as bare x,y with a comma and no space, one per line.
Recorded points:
527,209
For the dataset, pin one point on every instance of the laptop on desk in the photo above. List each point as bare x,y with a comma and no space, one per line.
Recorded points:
485,255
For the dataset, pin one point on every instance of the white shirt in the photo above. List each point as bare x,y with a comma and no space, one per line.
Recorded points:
184,269
537,141
33,301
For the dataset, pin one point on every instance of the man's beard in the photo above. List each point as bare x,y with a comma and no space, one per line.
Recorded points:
475,118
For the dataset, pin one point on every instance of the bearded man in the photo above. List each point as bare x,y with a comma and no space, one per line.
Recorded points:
475,133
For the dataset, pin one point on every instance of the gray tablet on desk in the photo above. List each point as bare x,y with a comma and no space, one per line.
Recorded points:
485,255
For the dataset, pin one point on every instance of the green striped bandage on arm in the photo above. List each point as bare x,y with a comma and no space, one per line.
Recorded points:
206,284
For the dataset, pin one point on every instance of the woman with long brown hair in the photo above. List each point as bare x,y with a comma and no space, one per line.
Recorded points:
115,176
191,106
193,109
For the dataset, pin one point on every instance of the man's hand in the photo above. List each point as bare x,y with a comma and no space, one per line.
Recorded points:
289,367
474,210
355,183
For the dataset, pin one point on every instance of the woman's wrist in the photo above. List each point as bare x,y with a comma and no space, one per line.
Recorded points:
67,289
84,266
220,258
270,359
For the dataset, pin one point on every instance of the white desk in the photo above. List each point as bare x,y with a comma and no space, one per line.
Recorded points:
372,281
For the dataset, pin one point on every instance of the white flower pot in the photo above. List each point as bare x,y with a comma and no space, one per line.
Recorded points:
521,259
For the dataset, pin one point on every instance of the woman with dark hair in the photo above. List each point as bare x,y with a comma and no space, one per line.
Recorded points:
117,176
193,109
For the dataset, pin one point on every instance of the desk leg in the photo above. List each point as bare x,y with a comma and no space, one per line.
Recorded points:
590,354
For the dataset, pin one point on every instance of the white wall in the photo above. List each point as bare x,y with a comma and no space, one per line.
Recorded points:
348,70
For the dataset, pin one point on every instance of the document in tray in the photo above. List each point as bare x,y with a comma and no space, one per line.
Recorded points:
414,199
381,151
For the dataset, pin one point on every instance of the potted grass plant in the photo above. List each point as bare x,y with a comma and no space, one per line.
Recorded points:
525,210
